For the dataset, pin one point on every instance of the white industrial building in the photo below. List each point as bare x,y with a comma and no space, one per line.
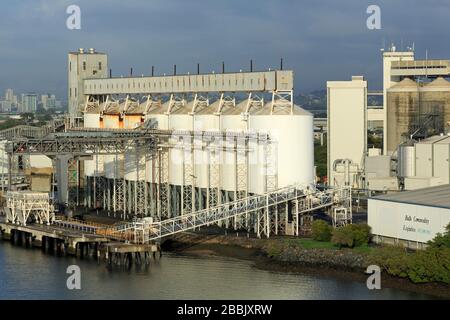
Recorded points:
416,106
224,137
410,218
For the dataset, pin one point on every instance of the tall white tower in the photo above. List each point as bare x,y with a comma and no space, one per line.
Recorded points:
83,65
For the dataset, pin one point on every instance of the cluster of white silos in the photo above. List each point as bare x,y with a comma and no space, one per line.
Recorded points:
291,130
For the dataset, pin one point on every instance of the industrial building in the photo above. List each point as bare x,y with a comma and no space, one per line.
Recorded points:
181,103
416,107
411,166
410,218
209,143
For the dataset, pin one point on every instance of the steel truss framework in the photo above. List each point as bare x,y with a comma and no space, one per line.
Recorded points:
305,199
149,144
31,131
139,198
22,205
265,214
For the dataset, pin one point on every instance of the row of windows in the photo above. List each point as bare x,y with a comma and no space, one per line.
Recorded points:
165,84
99,65
84,66
70,92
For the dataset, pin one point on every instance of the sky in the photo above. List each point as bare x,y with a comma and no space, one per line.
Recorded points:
319,39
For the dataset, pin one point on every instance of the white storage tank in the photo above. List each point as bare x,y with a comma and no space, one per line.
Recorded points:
406,161
205,119
180,118
132,118
157,113
93,167
293,134
112,119
232,119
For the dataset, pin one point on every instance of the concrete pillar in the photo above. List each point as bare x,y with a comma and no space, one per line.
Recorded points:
23,239
63,248
79,250
61,176
15,236
46,244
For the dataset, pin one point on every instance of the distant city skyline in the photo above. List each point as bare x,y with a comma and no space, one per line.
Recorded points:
319,40
22,102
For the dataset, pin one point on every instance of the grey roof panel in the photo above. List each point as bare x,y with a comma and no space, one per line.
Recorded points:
438,196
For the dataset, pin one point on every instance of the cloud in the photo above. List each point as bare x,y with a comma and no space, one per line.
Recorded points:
320,40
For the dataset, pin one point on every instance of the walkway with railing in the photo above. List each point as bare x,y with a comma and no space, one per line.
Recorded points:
308,199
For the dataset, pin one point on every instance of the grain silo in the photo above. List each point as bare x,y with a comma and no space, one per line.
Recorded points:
402,110
287,129
92,119
112,119
211,148
435,100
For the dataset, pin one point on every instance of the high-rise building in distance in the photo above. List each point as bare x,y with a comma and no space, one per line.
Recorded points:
29,102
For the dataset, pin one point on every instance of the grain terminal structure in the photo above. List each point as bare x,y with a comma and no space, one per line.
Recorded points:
222,137
168,154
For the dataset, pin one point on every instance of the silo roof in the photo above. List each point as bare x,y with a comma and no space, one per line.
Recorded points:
405,83
113,107
162,109
186,109
92,108
237,110
438,83
211,109
299,111
134,107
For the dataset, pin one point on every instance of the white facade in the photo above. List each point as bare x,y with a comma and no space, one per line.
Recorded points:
84,64
427,163
405,221
347,130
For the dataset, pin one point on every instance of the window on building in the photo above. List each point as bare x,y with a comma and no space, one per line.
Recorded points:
99,65
70,92
84,65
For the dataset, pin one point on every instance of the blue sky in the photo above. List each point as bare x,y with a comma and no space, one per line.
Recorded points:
319,39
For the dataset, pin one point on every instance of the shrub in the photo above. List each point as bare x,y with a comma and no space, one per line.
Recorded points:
393,259
361,234
343,237
352,235
430,265
441,240
321,230
273,249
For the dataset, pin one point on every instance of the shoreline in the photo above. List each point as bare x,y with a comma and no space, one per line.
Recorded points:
254,250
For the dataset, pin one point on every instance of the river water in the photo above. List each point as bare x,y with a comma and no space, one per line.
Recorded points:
31,274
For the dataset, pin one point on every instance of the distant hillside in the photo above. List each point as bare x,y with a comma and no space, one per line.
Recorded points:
316,102
313,101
